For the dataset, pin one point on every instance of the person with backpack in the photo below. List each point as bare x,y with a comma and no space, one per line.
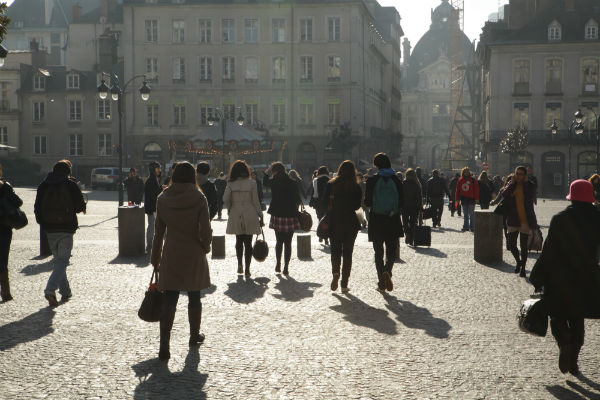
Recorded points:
152,189
220,185
319,185
7,193
436,188
207,187
384,195
467,193
342,196
57,203
135,187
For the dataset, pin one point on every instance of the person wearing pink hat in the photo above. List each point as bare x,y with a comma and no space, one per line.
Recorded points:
568,273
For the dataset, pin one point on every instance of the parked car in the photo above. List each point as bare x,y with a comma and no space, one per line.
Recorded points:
106,177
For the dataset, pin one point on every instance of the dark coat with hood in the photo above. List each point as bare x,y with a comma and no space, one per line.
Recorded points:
413,196
512,215
342,216
135,189
7,191
152,189
485,192
285,198
209,190
436,187
54,178
568,267
382,227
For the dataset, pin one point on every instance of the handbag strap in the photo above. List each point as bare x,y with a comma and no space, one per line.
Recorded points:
154,277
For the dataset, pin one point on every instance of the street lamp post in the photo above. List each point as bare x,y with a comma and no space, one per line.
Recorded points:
577,125
216,116
117,93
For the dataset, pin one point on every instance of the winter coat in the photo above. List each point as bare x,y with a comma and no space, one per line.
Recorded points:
241,201
220,185
152,189
568,268
182,221
76,197
512,215
413,198
382,227
436,187
467,190
485,192
285,197
135,189
320,201
6,190
208,188
452,184
342,215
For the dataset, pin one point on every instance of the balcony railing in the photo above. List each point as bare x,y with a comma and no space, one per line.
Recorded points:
545,137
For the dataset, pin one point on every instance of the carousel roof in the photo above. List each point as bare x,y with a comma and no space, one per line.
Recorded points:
232,132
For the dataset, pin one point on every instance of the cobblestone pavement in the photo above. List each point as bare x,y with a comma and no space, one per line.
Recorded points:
447,331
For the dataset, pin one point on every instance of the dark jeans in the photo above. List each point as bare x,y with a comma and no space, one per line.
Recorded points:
242,241
172,297
284,240
512,246
568,331
437,203
342,246
409,220
5,239
219,206
391,247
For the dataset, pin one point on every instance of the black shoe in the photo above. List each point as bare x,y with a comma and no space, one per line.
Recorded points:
278,269
518,267
52,302
387,281
523,273
285,270
380,287
334,282
240,270
464,229
563,359
64,299
247,272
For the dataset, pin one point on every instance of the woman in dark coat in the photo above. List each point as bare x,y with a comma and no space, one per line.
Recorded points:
568,272
284,211
413,203
346,198
384,228
486,188
319,185
6,191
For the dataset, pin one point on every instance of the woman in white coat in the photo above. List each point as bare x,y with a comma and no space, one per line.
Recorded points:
244,214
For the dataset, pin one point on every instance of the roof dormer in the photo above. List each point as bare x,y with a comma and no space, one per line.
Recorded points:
554,31
591,30
72,80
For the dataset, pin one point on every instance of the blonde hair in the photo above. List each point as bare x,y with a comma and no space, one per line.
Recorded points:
465,169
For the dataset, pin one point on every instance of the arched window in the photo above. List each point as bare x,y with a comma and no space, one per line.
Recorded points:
554,31
586,164
591,30
152,151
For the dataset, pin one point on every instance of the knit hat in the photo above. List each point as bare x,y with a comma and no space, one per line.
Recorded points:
581,190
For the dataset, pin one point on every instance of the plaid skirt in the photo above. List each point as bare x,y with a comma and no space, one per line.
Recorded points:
284,224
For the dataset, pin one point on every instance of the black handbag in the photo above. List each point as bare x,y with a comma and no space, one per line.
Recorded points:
501,208
11,215
324,227
421,235
428,212
533,317
152,305
305,219
260,250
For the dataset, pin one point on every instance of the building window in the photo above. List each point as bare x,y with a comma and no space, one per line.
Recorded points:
152,69
5,96
151,29
278,30
228,64
590,112
3,135
589,70
521,115
74,110
178,114
251,30
521,77
251,112
205,30
554,32
39,145
228,30
554,76
333,29
279,113
306,30
72,81
251,70
440,120
205,69
306,113
178,31
76,145
39,109
334,68
104,144
553,113
39,82
228,110
205,111
591,30
306,69
179,70
152,114
279,70
103,110
334,112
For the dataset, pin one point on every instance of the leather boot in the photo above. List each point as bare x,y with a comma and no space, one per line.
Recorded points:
573,367
5,287
345,277
195,318
166,324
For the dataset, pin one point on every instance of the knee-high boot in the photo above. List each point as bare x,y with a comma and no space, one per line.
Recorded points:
5,287
166,324
195,318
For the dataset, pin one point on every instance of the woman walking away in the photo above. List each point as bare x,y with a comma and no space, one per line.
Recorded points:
284,212
319,185
345,196
413,204
243,210
595,181
182,220
485,191
7,192
467,192
520,217
385,197
567,270
299,183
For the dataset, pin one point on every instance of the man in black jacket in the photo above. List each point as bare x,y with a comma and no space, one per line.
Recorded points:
436,188
208,188
452,203
135,187
220,185
151,191
57,203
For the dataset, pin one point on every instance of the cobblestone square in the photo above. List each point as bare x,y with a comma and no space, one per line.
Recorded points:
447,331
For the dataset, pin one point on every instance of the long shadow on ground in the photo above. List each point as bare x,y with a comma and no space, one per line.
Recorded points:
157,382
360,313
34,269
30,328
139,262
292,290
430,251
415,317
247,291
563,393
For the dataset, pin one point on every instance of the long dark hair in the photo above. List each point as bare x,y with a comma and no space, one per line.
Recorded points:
278,169
346,178
184,172
239,169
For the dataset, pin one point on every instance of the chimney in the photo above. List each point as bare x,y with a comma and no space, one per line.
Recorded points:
406,46
76,14
569,5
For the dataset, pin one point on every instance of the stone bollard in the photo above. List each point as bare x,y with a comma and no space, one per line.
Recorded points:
218,246
132,231
303,244
488,237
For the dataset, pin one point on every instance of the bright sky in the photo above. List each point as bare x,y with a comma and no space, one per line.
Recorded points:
416,15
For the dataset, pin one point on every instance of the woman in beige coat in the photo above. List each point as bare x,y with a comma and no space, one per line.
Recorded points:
244,217
182,221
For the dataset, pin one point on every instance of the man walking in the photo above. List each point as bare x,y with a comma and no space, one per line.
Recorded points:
208,188
57,203
135,187
220,185
453,205
436,188
151,191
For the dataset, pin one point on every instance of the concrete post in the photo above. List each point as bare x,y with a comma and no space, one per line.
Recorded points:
218,246
132,232
303,245
488,237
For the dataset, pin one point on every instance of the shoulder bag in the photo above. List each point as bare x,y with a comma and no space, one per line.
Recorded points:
11,215
305,219
324,227
152,305
260,250
533,317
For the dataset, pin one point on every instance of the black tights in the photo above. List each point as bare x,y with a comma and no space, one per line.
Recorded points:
172,297
284,240
512,246
242,241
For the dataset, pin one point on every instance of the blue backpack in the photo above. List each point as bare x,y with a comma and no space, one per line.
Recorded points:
385,197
